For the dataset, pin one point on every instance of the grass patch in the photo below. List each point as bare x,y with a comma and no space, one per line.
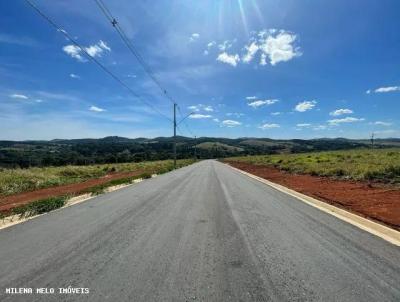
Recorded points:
14,181
40,206
381,165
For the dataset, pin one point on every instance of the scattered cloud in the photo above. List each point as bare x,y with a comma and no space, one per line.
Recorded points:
199,116
249,98
251,52
74,76
199,107
303,125
384,89
228,59
226,45
19,96
216,120
211,44
345,120
274,46
379,123
96,109
235,114
338,112
276,113
194,37
268,126
320,127
231,123
95,50
259,103
39,101
22,41
132,76
305,106
74,52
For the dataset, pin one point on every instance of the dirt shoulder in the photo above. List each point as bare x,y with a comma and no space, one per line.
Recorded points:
374,201
9,202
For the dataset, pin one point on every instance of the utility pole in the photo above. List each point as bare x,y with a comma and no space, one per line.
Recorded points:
372,140
195,149
174,135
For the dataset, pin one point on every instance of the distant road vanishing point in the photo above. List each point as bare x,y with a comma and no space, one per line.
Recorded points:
202,233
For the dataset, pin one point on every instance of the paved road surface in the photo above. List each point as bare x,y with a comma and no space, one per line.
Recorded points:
202,233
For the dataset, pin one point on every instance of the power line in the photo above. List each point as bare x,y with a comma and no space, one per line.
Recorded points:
93,59
109,16
107,13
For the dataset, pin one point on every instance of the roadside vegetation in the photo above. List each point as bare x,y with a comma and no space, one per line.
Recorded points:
381,165
13,181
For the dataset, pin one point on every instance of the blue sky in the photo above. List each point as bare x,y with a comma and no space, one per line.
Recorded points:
280,69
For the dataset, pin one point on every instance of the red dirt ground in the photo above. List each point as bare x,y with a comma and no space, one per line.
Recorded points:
9,202
376,201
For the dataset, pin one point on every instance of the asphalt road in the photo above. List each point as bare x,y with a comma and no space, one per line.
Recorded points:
203,233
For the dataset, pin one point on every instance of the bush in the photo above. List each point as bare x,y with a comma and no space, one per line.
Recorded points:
40,206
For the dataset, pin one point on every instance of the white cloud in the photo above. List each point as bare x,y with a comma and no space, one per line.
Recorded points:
74,76
226,45
194,37
268,126
250,98
132,76
387,89
216,120
96,109
95,50
279,48
259,103
319,127
368,91
251,51
276,113
345,120
228,59
103,45
231,123
19,96
211,44
303,125
194,108
338,112
199,116
199,107
379,123
205,52
74,52
39,101
235,114
304,106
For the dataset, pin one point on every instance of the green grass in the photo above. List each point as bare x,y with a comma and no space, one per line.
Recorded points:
13,181
363,164
40,206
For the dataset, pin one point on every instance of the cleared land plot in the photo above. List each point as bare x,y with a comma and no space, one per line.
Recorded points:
21,186
365,182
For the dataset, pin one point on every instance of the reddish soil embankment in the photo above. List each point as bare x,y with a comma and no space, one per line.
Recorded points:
376,201
9,202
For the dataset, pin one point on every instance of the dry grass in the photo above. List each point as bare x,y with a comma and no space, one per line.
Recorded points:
365,164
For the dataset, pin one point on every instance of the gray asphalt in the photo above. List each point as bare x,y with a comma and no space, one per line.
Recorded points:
202,233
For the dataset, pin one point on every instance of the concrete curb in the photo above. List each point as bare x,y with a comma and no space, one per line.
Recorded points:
16,219
384,232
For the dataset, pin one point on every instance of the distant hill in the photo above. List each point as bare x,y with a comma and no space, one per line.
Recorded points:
114,149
